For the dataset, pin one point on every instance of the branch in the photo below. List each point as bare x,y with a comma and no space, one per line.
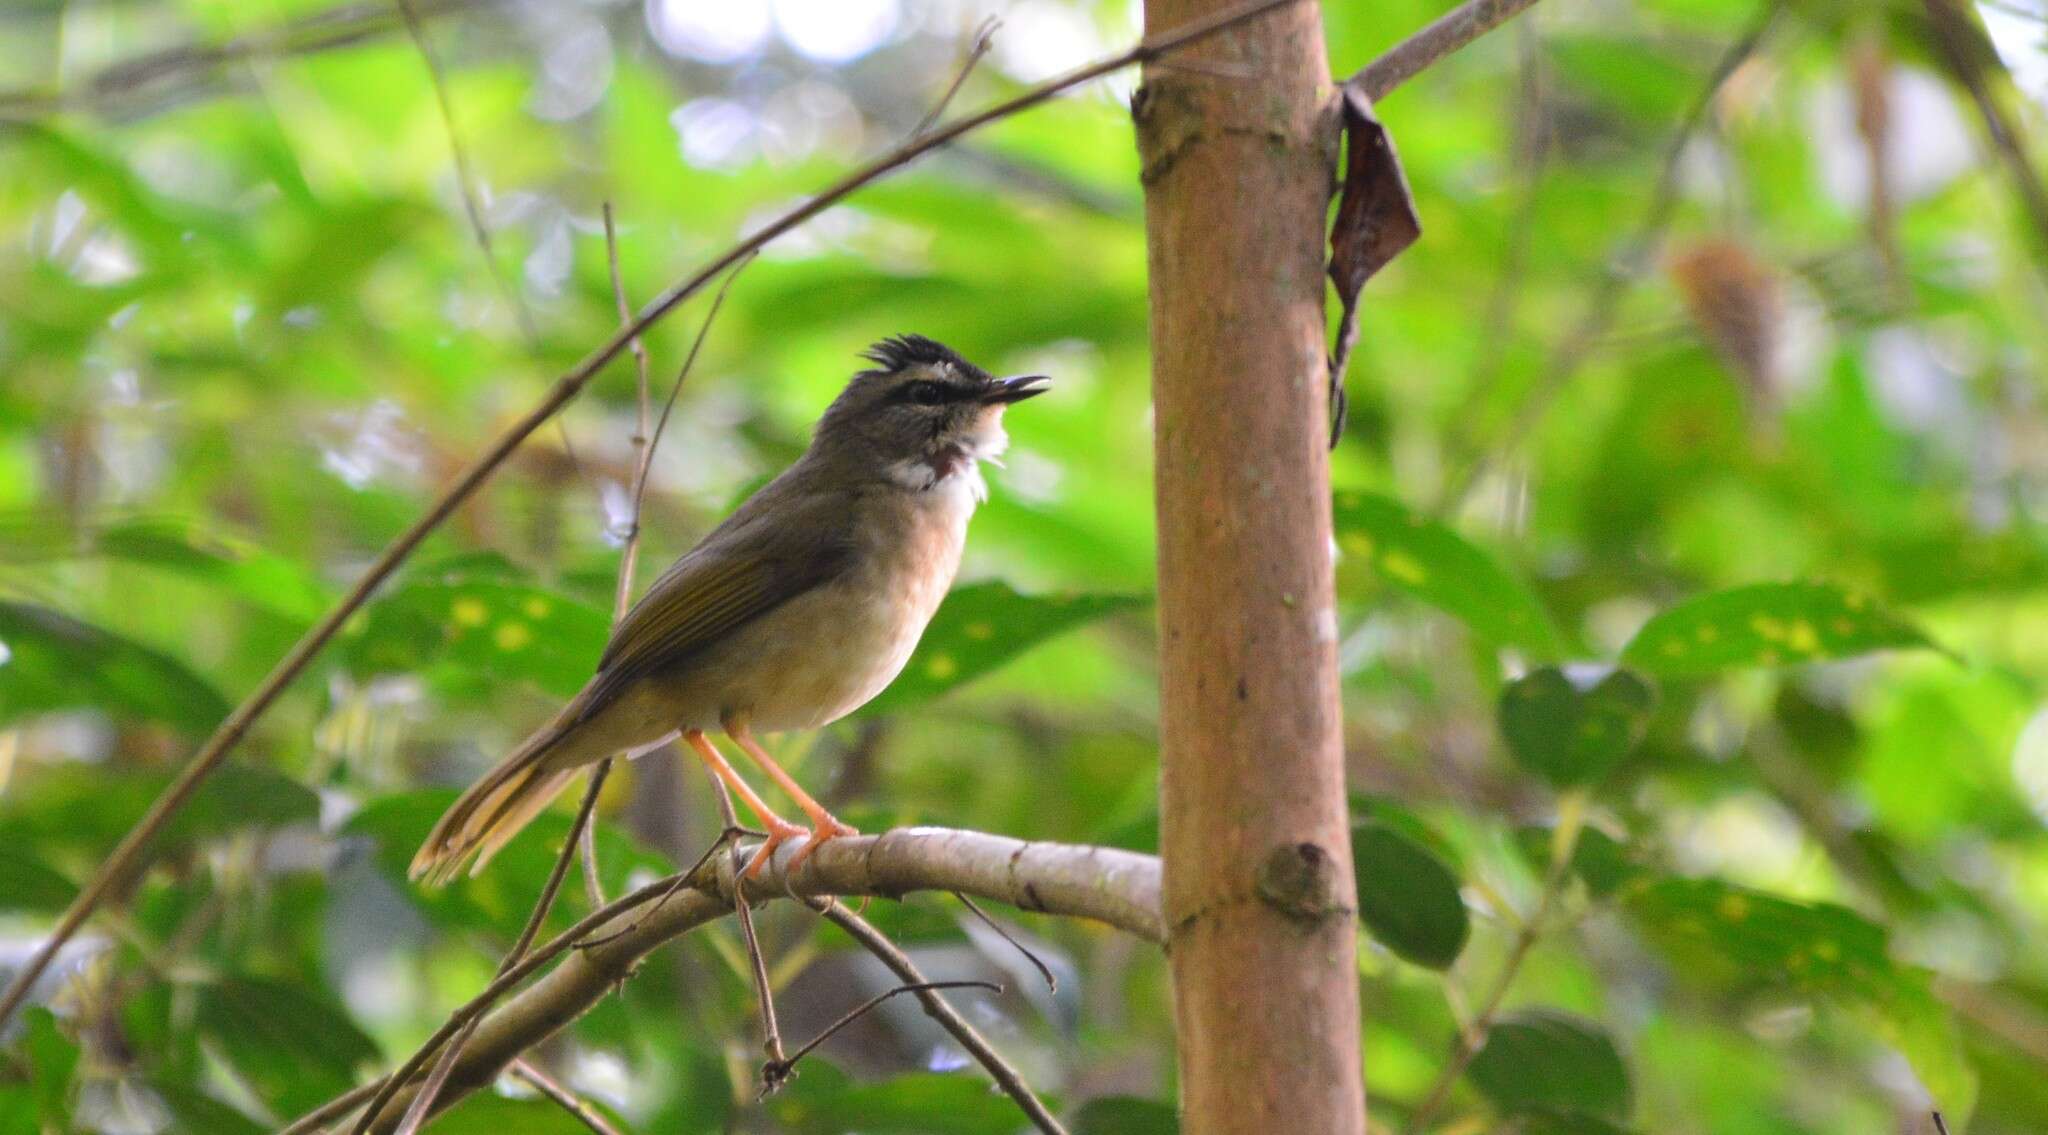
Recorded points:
564,1098
465,176
1466,1044
1451,31
129,853
1120,888
1964,48
345,26
948,1018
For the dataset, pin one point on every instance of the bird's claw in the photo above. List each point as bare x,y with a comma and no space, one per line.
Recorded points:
779,833
824,828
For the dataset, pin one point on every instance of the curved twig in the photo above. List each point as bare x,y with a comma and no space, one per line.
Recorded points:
1120,888
937,1008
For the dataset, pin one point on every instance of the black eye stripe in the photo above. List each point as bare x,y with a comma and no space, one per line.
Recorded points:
927,393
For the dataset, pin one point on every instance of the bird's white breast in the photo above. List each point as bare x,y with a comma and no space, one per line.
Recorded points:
829,651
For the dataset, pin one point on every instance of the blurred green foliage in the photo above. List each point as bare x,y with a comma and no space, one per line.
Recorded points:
246,333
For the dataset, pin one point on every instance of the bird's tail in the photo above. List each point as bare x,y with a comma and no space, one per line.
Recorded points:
484,818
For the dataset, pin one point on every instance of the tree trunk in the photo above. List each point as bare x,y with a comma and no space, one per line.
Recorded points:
1238,136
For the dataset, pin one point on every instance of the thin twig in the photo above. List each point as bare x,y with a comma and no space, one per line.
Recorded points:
983,37
473,209
676,883
475,1008
779,1072
1052,983
465,176
1531,154
129,852
1620,273
771,1033
1450,31
344,26
564,1098
1940,1124
939,1010
1119,888
422,1104
643,422
1967,53
1466,1044
669,404
320,1117
629,554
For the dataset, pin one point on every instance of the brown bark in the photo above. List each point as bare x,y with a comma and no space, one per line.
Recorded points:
1239,149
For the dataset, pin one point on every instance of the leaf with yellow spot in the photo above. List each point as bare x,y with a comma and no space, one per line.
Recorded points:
463,631
1382,542
1766,624
982,626
1734,939
1571,725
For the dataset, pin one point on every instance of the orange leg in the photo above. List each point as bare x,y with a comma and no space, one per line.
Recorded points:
779,829
824,825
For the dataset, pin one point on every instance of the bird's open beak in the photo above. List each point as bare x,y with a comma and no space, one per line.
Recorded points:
1007,390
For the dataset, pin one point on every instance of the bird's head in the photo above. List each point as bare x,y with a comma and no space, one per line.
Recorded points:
921,414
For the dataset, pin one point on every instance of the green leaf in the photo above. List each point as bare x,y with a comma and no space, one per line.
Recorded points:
1572,725
51,661
1600,861
1562,1123
296,1050
1545,1060
52,1060
1712,928
1407,897
27,883
249,573
1718,931
245,571
197,1111
84,810
980,627
823,1101
1126,1115
1429,561
481,630
485,1113
1766,624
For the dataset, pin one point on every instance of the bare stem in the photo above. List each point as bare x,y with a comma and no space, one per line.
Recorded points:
778,1072
1120,888
771,1033
1450,31
936,1007
564,1098
983,37
1466,1045
465,176
178,70
423,1102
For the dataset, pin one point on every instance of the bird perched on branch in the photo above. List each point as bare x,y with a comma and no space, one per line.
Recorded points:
799,608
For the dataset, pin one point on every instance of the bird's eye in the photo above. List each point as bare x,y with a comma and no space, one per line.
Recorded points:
925,393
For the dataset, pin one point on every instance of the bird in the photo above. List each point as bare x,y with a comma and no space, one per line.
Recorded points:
796,610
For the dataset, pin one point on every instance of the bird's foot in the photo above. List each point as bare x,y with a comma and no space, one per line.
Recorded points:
824,828
780,831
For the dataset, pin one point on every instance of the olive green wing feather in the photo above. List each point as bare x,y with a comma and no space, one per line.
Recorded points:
761,558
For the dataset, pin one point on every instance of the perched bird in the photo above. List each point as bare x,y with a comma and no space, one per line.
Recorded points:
799,608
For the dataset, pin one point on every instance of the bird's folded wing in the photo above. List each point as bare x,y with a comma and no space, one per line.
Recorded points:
738,574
